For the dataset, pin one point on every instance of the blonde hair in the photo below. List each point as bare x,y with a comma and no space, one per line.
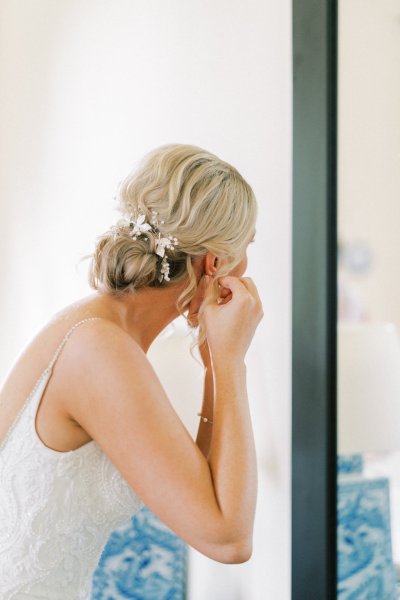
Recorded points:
203,201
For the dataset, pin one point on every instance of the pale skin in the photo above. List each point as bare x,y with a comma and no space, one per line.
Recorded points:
104,388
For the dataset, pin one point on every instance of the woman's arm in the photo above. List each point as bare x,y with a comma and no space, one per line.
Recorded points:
229,440
232,455
121,404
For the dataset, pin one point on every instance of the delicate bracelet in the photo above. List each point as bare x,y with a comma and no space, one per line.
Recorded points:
204,419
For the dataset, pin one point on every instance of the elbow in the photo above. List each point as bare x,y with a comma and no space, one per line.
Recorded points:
235,554
231,551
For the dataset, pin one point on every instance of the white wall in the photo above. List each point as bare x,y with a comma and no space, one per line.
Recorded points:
88,87
369,148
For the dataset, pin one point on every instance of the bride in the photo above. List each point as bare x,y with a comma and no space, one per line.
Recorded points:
87,433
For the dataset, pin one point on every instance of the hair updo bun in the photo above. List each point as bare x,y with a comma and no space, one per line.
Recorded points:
199,198
123,264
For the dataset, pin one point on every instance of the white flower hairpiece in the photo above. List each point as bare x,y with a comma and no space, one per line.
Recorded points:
138,226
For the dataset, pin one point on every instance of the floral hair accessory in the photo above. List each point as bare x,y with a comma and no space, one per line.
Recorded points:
138,226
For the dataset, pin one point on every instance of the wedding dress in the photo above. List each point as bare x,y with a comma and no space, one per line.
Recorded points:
57,509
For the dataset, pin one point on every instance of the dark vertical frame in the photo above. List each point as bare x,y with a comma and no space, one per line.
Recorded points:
314,300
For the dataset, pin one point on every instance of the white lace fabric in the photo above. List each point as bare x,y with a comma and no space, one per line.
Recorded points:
57,509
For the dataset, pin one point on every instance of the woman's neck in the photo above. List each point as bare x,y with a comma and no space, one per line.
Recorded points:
143,315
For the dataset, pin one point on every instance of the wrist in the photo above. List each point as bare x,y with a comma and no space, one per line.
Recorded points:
228,364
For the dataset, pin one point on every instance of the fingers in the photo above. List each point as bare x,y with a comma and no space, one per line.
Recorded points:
238,285
229,285
234,284
225,295
251,286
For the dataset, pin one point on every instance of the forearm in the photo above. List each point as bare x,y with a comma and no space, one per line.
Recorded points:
204,431
232,456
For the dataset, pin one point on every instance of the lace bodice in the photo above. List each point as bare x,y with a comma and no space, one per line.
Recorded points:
57,509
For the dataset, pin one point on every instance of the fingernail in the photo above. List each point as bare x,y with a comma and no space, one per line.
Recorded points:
219,300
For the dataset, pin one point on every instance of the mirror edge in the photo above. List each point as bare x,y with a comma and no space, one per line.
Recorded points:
314,297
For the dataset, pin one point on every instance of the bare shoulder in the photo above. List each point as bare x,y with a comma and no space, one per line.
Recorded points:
100,340
103,358
117,395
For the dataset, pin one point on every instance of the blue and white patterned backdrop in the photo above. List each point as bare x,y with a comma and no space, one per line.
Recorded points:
143,560
365,565
350,464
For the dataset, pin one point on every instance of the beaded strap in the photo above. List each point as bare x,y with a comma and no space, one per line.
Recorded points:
60,347
42,376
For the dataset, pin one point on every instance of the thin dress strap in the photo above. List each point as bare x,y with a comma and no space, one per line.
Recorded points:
61,346
44,377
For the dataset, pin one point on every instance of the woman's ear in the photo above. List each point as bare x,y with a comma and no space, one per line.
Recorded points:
211,264
207,264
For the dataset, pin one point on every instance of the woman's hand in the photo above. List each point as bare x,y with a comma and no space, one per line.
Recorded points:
231,320
198,299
